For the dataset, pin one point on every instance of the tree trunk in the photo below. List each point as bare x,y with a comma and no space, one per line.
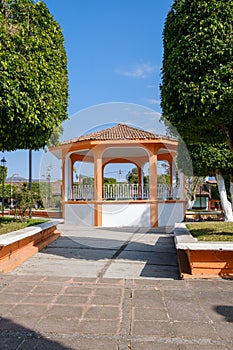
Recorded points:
231,189
30,182
190,202
226,205
192,183
229,137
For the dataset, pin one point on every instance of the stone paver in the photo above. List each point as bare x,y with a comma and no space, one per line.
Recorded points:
60,301
119,314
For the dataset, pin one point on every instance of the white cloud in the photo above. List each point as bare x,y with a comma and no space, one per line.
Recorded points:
153,101
141,71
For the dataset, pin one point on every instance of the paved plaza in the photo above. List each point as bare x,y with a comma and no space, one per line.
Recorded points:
113,289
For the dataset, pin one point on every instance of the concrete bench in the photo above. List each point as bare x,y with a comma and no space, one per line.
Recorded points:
202,259
204,215
18,246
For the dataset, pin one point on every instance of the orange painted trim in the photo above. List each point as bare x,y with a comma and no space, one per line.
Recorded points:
170,201
205,263
172,144
88,144
41,213
98,215
137,201
154,215
80,158
72,176
140,181
16,253
98,173
153,176
136,162
106,161
165,156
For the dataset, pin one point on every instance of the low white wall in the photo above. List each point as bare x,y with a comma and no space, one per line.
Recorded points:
170,213
79,214
116,215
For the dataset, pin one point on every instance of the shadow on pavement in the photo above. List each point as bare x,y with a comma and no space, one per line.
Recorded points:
136,229
160,258
14,336
226,311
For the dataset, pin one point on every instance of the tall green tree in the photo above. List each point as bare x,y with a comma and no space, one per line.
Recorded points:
208,160
197,72
33,70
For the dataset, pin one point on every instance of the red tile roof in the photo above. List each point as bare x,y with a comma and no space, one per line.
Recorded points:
118,132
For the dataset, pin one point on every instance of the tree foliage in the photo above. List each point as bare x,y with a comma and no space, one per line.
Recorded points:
23,199
206,159
163,179
109,180
132,177
33,70
197,73
209,160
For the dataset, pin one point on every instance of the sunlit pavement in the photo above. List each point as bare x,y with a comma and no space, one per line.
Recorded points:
112,289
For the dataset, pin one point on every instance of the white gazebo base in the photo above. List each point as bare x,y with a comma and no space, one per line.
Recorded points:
123,214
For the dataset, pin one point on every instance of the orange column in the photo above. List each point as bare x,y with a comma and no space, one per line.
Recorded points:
103,166
171,170
65,181
139,182
63,187
140,165
72,177
153,189
98,179
173,173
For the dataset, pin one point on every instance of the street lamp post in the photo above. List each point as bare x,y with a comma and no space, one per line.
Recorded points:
3,162
11,192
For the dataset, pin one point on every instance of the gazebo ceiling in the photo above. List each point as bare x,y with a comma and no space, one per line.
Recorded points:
125,152
116,152
122,153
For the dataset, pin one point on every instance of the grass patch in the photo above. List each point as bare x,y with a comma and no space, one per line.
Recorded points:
8,224
212,231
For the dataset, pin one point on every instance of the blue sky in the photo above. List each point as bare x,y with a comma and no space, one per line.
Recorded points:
114,50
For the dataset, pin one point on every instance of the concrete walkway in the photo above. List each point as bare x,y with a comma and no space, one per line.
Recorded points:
114,290
109,253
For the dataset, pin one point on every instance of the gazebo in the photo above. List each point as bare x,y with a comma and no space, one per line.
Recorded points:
121,204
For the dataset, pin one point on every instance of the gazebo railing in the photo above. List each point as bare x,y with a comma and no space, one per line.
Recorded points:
83,192
125,192
164,191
